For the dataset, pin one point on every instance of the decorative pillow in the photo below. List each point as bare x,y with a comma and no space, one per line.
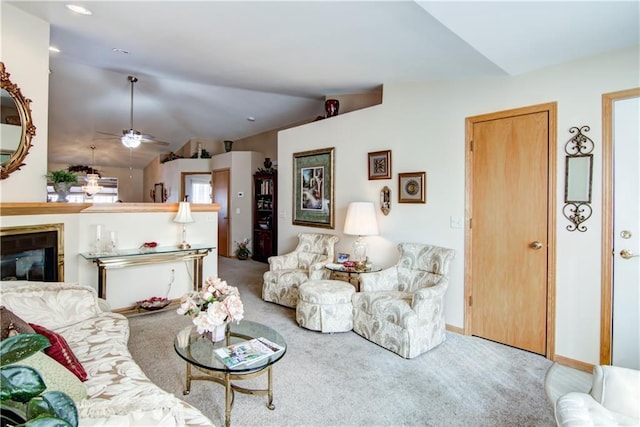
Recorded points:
55,376
61,351
12,324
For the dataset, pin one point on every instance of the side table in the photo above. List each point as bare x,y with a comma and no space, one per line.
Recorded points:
340,272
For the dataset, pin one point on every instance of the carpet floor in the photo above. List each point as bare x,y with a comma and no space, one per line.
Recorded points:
344,380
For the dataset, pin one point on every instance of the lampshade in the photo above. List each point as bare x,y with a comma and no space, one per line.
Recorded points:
361,219
184,213
131,139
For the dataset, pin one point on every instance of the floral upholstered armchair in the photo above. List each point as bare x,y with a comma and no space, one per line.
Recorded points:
306,262
402,308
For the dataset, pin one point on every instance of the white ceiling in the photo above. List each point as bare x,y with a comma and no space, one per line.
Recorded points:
205,66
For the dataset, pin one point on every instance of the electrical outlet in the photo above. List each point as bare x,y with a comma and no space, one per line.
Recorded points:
237,210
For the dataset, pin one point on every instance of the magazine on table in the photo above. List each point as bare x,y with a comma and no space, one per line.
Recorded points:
247,352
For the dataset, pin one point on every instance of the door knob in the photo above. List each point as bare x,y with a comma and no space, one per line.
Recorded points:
535,245
627,254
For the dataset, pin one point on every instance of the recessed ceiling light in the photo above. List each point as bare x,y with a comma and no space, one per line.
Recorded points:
54,49
79,9
118,50
251,119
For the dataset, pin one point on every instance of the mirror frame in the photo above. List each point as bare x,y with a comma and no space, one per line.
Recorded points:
578,147
16,161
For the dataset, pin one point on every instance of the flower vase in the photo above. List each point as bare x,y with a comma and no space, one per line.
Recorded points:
218,334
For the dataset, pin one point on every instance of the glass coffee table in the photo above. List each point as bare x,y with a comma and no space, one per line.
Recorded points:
199,353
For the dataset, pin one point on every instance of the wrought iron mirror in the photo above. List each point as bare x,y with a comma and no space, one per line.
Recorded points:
578,178
15,122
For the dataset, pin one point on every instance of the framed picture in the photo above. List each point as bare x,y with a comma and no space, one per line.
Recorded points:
313,188
342,257
411,187
158,193
380,165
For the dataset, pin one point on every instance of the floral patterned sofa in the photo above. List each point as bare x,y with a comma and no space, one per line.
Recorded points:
118,392
401,308
306,262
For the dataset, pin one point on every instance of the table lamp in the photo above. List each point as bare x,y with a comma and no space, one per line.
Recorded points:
360,221
184,217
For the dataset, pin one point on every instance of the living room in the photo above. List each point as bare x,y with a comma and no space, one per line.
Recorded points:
423,124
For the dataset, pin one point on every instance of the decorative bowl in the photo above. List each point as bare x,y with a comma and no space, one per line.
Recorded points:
153,303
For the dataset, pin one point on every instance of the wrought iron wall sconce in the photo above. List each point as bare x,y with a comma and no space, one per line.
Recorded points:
578,178
385,200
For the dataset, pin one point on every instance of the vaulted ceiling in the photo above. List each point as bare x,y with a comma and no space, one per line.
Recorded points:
204,67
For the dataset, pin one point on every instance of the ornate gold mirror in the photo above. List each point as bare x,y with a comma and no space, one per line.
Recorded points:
17,129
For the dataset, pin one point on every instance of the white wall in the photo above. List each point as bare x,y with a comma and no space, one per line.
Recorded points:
25,52
424,126
125,286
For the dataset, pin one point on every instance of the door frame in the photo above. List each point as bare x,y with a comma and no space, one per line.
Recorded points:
606,293
183,188
228,171
551,109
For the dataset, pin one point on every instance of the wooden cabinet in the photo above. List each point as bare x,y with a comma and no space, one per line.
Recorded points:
265,216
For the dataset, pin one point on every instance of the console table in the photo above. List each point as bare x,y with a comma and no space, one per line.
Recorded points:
143,256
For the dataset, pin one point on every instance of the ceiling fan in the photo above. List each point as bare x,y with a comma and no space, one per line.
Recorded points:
132,138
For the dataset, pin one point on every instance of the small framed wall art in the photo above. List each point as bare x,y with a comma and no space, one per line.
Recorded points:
411,187
380,165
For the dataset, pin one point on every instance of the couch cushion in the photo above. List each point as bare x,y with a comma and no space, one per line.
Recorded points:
392,306
61,352
55,376
11,322
50,304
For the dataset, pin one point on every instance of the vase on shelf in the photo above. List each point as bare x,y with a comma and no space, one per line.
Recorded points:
218,334
331,107
62,190
228,145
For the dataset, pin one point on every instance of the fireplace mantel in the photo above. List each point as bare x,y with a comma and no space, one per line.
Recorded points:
14,209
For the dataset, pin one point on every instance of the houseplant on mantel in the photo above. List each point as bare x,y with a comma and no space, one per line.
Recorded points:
62,181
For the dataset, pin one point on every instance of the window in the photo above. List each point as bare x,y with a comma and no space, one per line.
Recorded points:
109,193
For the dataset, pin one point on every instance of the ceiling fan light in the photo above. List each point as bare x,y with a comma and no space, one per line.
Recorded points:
131,139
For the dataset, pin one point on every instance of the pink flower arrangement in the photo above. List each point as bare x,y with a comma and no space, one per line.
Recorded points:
216,304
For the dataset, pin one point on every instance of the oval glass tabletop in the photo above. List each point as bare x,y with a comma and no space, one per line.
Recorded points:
200,349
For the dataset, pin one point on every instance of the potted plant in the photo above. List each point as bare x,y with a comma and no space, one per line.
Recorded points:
242,251
23,391
62,181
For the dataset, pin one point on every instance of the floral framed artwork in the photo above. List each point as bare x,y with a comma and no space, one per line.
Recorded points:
380,164
411,187
313,188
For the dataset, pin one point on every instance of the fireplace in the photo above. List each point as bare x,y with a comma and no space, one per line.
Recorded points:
34,252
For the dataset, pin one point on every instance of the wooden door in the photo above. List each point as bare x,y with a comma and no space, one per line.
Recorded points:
509,227
220,189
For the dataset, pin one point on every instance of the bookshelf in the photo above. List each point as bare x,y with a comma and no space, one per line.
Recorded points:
265,216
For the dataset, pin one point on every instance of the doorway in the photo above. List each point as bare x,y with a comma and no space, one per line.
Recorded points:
220,189
620,319
195,187
510,233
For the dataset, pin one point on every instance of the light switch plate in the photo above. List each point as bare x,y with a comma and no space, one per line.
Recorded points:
456,221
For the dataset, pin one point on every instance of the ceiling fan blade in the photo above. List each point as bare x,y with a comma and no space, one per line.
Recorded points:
155,142
150,139
108,133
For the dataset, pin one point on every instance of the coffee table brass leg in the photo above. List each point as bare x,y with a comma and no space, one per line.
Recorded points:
227,396
270,404
187,389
